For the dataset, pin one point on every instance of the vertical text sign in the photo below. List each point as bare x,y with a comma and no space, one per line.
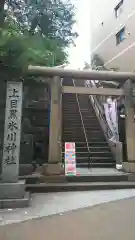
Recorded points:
12,132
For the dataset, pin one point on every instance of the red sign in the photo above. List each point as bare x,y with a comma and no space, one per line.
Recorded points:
69,146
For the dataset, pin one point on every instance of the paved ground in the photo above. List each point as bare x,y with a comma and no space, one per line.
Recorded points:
54,203
108,221
74,213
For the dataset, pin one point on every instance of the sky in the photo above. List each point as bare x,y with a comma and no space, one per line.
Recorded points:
89,14
81,53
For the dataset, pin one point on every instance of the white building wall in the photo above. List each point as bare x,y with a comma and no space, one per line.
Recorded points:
105,26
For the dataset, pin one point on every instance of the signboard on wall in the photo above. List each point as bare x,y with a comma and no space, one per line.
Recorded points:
70,159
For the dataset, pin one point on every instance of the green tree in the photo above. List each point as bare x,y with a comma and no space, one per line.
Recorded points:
34,32
51,18
18,50
97,63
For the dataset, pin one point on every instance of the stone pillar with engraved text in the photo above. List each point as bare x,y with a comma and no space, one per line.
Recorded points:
12,191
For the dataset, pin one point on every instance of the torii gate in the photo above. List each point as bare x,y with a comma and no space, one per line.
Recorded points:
10,172
56,90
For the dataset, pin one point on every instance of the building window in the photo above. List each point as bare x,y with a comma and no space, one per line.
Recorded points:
120,36
119,9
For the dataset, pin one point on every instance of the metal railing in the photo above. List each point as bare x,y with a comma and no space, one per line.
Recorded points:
82,119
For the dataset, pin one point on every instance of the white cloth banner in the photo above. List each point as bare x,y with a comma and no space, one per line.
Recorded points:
111,118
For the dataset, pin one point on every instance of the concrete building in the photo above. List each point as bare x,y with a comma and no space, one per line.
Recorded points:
113,35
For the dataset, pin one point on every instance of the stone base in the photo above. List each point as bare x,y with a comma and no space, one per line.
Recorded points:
129,167
13,195
25,169
131,177
51,169
12,190
15,203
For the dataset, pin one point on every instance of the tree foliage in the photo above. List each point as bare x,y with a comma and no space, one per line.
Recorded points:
97,63
52,18
35,32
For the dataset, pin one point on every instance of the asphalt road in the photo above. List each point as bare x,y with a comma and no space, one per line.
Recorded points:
107,221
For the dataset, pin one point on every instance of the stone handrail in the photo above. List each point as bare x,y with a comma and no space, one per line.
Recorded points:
97,102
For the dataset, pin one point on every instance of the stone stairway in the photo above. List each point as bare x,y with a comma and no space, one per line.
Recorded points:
93,179
72,128
80,125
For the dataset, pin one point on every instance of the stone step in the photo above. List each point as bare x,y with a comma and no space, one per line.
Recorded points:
96,155
72,114
93,159
91,144
74,134
100,177
92,131
78,124
90,121
97,165
95,138
74,123
90,177
93,164
79,186
74,139
89,133
66,128
71,136
95,148
92,149
80,138
72,111
16,203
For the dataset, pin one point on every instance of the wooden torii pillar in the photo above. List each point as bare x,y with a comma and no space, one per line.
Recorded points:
54,160
129,128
